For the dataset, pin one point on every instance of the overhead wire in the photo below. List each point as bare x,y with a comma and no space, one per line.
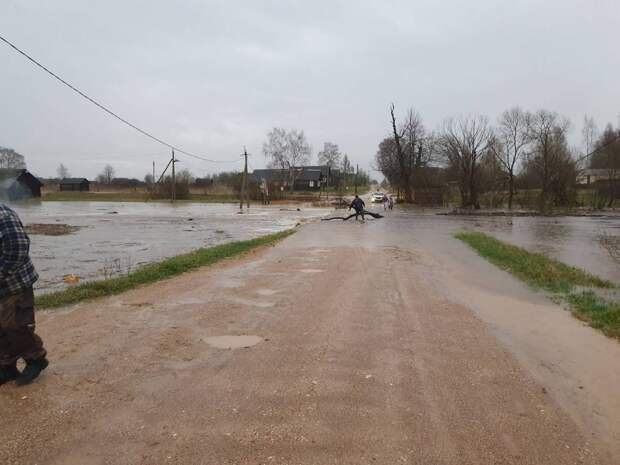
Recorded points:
107,110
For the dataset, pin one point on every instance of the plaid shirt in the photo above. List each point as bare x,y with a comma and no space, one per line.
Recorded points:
17,272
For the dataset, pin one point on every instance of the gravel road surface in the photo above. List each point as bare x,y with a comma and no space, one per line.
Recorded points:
340,345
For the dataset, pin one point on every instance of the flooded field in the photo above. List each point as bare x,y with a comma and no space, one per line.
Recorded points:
114,238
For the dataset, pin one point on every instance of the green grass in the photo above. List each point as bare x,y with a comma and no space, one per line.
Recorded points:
155,271
542,272
536,269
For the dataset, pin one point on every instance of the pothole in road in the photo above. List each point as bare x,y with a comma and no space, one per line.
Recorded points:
232,342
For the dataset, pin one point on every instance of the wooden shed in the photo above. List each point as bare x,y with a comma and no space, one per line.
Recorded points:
18,184
74,184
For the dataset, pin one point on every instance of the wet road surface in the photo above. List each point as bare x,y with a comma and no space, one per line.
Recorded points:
362,343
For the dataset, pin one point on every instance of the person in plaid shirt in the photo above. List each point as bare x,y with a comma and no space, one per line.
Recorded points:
17,275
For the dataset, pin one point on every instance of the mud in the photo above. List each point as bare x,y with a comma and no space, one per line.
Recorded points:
53,229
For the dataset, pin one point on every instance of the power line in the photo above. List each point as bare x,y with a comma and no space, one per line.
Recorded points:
107,110
598,149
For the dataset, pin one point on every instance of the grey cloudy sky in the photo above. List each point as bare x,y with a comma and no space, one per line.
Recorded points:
211,76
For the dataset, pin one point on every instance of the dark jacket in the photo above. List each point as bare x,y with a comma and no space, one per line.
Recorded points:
358,204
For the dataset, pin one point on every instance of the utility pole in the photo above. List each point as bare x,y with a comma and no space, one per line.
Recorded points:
244,183
174,179
357,172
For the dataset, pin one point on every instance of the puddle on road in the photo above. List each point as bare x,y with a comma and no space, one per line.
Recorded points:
233,342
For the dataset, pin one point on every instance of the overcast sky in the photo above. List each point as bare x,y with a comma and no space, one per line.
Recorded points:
212,77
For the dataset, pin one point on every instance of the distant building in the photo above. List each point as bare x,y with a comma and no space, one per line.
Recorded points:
592,175
305,178
18,184
74,184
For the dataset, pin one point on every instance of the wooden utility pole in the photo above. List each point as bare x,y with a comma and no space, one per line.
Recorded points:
174,179
244,183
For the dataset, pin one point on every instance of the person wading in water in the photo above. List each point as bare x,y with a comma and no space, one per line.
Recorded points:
358,205
17,275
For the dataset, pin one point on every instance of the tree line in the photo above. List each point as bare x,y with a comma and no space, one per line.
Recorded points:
523,149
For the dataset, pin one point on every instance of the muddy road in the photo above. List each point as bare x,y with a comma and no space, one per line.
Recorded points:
344,344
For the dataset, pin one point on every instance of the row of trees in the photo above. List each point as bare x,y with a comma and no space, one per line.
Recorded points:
288,149
523,147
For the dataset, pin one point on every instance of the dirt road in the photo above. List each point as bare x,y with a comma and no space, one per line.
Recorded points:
359,357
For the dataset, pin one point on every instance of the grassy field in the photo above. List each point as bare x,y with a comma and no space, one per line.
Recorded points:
155,271
574,286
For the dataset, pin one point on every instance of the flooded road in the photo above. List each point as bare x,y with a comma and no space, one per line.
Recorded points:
573,240
115,238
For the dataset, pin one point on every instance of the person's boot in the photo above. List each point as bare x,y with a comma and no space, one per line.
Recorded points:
32,371
8,373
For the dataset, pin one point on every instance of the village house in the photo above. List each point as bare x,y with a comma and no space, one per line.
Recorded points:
18,184
74,184
305,178
592,175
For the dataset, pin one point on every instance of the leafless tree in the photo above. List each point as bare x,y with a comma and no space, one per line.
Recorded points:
330,155
9,158
514,137
550,158
62,171
107,175
589,133
463,143
608,158
401,161
287,150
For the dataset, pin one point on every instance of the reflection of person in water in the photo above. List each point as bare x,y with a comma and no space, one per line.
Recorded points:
358,205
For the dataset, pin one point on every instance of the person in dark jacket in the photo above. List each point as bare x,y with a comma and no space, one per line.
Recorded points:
358,205
17,275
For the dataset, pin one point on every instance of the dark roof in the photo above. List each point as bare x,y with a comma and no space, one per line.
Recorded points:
73,180
309,175
302,173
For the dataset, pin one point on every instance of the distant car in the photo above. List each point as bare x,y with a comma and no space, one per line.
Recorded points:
377,197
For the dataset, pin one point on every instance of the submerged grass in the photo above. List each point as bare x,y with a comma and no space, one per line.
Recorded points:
155,271
542,272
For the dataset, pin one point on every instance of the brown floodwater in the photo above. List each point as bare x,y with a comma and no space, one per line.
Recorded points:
111,239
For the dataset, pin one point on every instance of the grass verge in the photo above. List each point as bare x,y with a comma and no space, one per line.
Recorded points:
155,271
574,286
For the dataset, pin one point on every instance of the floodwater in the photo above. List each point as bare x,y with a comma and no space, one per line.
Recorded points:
573,240
115,238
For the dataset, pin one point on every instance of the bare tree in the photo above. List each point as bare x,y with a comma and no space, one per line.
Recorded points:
107,175
287,150
330,155
9,158
608,158
550,158
62,171
399,153
513,139
463,143
589,134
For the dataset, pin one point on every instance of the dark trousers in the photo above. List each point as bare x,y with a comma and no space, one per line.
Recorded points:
17,336
359,212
